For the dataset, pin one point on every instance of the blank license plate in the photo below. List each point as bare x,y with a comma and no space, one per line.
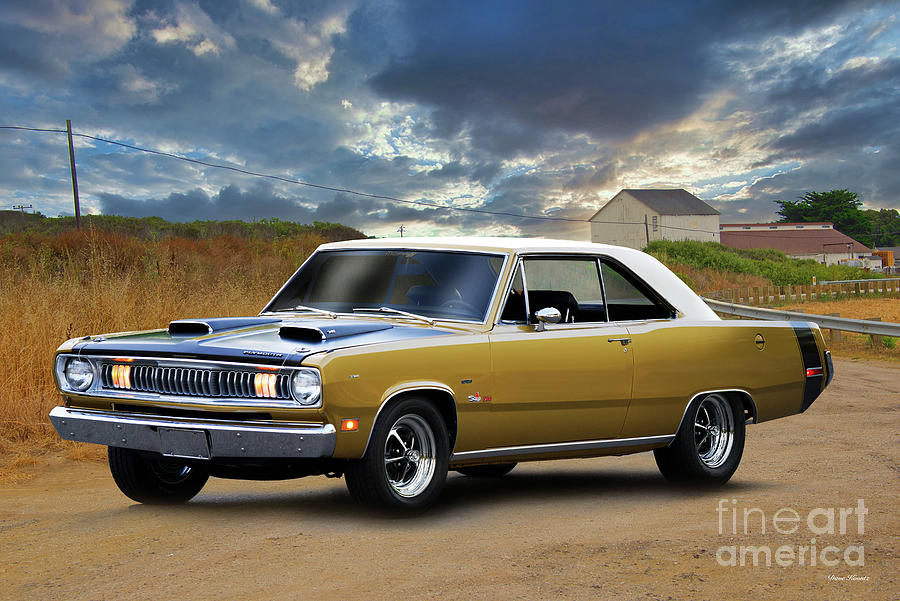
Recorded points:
190,444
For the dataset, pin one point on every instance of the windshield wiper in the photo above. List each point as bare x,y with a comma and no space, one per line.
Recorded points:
330,314
395,312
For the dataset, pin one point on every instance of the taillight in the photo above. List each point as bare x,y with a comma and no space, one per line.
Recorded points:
814,371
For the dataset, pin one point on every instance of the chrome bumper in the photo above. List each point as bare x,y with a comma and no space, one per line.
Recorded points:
194,438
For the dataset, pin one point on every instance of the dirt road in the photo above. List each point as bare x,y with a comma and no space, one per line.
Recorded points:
579,529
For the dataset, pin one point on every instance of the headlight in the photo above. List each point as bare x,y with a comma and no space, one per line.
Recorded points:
306,386
78,374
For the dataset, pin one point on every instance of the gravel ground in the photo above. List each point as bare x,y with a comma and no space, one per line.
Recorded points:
576,529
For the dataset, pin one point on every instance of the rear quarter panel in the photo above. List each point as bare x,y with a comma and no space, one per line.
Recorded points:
676,360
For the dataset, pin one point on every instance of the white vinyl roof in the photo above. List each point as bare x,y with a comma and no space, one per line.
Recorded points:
654,273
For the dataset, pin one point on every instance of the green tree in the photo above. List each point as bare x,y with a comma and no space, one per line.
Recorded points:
884,227
840,207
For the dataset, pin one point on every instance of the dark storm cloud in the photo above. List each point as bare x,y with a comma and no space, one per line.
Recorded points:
229,203
482,92
610,69
870,118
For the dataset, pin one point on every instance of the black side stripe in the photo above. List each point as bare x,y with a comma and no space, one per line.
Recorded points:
809,351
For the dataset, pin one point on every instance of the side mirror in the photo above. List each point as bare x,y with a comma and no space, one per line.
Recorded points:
545,316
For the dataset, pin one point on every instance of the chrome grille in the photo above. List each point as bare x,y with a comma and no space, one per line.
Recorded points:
199,382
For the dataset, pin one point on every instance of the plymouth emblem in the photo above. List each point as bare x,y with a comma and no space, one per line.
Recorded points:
264,354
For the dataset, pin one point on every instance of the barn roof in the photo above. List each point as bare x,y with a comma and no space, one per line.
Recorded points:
667,201
793,242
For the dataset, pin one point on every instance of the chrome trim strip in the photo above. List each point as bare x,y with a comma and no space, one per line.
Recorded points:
254,403
599,264
562,447
225,438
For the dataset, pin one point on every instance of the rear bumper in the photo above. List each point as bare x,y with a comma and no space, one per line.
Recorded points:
194,438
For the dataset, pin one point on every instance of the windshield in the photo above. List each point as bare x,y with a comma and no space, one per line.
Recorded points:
435,284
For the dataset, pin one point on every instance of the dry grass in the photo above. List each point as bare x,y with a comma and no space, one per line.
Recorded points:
705,281
57,287
857,346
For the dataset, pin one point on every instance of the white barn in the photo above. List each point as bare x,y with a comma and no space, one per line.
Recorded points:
634,218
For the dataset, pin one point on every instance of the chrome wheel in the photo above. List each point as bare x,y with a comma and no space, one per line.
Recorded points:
714,430
409,456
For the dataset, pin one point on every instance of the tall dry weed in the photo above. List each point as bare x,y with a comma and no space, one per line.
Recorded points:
57,287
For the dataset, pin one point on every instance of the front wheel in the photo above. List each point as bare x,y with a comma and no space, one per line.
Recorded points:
405,465
708,446
154,481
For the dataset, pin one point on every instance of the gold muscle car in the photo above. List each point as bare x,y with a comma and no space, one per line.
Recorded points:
393,361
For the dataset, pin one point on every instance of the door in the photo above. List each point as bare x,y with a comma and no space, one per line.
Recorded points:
570,382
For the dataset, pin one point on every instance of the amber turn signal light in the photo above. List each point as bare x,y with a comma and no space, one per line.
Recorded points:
349,425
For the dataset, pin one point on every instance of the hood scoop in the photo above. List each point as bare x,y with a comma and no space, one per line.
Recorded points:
202,327
330,331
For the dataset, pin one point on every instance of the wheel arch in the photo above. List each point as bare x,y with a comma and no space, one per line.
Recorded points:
751,414
438,395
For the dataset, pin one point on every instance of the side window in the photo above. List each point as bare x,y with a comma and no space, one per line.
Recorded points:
627,299
514,309
570,285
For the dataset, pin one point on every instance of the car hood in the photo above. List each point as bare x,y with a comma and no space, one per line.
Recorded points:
271,340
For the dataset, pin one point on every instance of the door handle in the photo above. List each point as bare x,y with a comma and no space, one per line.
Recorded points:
624,341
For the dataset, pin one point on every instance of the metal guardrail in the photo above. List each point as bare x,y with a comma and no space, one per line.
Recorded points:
861,326
869,281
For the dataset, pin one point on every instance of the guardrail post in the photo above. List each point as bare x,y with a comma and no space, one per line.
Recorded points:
876,340
835,334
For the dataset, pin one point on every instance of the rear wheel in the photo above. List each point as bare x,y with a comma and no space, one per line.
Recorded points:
709,444
405,465
154,481
487,471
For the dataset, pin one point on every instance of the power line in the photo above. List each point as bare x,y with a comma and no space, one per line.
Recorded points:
323,187
20,127
299,182
332,188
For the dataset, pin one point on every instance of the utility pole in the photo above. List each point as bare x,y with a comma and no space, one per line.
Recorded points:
401,229
74,178
21,207
647,230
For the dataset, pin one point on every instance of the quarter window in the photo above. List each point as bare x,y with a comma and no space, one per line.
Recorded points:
627,298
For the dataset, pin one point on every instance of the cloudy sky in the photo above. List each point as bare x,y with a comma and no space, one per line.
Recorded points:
537,108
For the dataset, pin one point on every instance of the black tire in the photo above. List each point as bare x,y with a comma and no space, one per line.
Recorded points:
405,465
154,481
487,471
708,446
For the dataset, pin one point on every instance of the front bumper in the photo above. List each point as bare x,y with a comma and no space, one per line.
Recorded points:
194,438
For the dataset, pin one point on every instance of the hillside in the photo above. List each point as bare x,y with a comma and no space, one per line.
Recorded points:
155,228
709,266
